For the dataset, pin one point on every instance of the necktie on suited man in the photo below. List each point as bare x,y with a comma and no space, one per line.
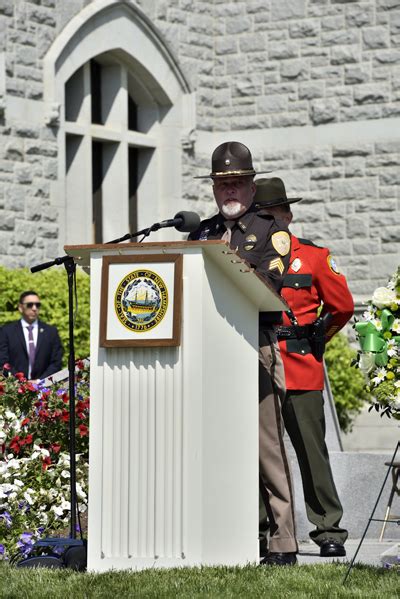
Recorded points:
32,348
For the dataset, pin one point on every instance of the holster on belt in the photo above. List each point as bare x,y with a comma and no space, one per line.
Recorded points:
314,332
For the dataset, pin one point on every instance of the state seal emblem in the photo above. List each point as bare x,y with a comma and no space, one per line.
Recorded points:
141,300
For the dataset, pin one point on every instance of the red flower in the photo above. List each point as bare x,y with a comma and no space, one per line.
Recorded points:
25,421
43,415
15,444
20,376
28,439
2,388
46,462
55,447
83,430
6,366
80,364
65,416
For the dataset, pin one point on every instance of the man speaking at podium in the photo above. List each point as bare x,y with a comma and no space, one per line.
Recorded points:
265,244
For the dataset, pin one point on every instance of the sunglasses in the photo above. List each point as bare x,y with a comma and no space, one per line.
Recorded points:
31,304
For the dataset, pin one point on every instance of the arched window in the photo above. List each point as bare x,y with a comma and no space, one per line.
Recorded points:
123,105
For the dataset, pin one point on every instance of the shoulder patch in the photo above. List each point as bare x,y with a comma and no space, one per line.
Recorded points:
332,265
281,242
309,242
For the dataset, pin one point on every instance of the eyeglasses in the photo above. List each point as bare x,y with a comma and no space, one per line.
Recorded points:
31,304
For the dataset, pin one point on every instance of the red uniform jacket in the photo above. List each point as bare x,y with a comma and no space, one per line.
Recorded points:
312,279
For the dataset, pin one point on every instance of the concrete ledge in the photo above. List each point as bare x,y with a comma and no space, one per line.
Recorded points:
358,478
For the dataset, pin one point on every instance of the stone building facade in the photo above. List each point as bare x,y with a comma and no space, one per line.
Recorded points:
108,108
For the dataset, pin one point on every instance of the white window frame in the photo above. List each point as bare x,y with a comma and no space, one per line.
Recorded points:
118,29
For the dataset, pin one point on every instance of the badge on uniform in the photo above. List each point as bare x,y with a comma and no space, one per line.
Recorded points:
281,242
332,265
204,234
250,242
296,265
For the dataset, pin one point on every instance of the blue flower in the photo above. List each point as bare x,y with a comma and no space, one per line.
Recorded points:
6,516
25,543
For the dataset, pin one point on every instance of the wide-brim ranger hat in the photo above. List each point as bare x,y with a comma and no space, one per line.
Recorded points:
231,159
271,193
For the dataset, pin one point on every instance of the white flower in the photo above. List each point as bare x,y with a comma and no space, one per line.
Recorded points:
18,482
383,297
57,510
396,325
10,415
397,384
395,400
391,347
28,498
15,464
369,314
65,474
377,324
380,374
39,451
80,492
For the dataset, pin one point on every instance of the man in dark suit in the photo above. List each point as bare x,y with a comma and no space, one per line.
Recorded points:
30,345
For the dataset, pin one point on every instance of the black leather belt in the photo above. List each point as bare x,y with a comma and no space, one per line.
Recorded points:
293,332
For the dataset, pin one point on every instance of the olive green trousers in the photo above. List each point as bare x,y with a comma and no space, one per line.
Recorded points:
303,415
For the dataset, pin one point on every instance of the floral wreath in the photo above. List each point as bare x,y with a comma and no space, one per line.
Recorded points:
379,337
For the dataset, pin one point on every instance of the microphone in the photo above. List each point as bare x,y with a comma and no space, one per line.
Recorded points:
183,221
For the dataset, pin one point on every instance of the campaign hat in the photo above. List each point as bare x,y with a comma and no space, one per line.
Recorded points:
231,159
271,193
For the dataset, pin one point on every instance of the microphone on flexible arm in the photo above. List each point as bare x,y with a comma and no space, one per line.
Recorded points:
183,221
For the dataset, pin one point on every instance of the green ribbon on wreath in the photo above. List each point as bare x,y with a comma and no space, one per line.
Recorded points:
372,340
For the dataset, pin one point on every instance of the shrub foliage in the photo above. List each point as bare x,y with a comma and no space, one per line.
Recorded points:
347,383
52,287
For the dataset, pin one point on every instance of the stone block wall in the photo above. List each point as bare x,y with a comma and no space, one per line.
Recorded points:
262,70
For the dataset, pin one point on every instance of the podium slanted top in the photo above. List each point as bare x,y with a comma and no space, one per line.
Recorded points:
238,270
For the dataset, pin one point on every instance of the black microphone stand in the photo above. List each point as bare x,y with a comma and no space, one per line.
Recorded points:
145,232
75,553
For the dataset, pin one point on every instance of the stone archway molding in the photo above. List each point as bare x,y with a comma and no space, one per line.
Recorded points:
112,25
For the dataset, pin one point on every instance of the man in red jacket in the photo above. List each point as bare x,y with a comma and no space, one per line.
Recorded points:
312,281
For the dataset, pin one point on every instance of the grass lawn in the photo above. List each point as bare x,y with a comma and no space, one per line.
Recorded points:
311,581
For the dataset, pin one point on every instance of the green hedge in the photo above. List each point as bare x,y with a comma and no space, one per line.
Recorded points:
52,287
347,382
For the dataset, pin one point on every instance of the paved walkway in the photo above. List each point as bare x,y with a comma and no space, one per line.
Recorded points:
370,552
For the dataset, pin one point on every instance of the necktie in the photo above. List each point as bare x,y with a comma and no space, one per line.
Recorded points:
32,348
227,236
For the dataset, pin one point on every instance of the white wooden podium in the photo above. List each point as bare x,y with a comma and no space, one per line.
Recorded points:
173,473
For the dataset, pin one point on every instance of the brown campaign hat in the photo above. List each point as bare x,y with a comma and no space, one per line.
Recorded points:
271,192
231,159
